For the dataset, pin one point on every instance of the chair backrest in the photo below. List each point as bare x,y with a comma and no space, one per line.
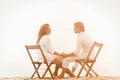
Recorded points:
35,47
95,49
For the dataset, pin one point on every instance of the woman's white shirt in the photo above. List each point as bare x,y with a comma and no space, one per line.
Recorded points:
48,51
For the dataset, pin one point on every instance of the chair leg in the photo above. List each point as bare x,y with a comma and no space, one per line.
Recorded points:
85,69
36,71
51,74
48,68
81,69
90,67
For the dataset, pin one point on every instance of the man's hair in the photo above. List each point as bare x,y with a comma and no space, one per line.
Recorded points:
80,25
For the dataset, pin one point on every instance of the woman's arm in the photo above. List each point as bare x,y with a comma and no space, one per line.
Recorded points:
68,55
48,45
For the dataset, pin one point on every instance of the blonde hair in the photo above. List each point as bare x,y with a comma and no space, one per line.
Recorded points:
43,31
80,25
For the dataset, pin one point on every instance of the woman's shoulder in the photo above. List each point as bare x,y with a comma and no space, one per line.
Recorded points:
45,37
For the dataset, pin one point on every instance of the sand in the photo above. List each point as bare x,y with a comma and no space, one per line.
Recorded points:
81,78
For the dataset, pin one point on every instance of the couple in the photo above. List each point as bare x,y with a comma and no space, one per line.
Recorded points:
83,45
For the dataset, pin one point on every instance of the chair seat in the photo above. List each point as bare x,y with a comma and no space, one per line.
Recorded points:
83,60
89,61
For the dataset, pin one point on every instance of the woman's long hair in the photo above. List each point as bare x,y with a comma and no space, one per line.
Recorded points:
43,31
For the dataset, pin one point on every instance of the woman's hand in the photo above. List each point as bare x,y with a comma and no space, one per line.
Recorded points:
64,55
56,53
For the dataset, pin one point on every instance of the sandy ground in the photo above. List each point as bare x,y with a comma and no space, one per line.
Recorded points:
81,78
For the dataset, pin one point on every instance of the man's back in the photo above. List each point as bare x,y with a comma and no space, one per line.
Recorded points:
85,42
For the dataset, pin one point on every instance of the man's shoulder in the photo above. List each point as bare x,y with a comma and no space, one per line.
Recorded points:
85,35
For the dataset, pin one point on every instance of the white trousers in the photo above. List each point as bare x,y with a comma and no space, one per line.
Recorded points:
65,62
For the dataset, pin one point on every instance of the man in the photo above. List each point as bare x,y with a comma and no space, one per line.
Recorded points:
84,43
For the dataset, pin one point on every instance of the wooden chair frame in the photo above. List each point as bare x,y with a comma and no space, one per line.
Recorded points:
37,64
87,64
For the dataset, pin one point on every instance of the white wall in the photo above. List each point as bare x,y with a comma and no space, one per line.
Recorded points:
20,21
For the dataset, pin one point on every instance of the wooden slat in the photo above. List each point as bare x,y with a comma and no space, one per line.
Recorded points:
32,46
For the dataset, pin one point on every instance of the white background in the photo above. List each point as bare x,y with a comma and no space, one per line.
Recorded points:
20,21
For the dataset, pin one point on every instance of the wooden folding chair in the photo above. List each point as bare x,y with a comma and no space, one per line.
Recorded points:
88,63
37,64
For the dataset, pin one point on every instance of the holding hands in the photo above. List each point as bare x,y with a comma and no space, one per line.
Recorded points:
59,55
64,55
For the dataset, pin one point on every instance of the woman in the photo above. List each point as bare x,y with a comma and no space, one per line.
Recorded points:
44,40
